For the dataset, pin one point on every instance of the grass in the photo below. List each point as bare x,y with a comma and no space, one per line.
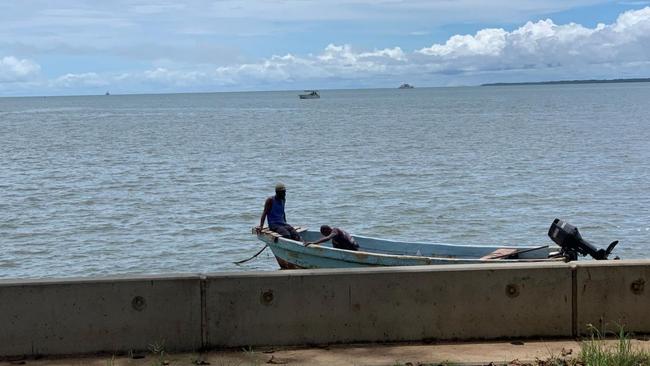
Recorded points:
158,351
252,356
599,349
596,353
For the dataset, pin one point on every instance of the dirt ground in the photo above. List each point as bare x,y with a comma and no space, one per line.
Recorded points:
480,353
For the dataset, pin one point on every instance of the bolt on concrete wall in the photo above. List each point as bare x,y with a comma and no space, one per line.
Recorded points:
109,315
186,313
398,304
612,294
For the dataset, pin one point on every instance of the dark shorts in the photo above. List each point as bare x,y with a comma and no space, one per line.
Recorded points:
286,231
344,244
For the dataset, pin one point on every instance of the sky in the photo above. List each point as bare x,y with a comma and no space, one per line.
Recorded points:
79,47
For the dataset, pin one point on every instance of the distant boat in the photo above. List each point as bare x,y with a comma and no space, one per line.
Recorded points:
311,94
107,93
406,86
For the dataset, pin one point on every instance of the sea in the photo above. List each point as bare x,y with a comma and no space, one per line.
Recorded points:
174,183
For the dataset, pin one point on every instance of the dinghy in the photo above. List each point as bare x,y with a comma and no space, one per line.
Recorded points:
292,254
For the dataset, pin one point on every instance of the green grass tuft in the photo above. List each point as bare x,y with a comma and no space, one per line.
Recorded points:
596,353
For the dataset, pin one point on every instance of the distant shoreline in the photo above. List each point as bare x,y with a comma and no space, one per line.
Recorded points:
591,81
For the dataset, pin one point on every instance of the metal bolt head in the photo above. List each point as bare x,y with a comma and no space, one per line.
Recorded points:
138,303
637,286
512,290
267,297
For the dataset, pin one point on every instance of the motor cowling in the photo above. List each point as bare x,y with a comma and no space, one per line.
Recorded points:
569,239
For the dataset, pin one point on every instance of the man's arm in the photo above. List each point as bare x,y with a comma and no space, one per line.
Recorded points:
322,240
267,208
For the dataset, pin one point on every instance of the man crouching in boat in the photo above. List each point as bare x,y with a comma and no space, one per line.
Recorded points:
274,210
339,237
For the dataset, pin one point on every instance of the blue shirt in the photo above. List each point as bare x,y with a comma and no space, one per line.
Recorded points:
276,214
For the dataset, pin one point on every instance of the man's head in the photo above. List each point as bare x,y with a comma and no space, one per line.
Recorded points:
325,230
280,190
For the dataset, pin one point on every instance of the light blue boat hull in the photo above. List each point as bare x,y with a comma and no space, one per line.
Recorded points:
291,254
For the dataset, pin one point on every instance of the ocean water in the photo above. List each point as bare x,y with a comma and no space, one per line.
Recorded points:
152,184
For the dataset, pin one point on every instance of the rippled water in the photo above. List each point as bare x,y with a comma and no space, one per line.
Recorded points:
174,183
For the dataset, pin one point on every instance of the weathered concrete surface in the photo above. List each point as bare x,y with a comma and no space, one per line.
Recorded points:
389,304
82,315
613,293
305,307
468,353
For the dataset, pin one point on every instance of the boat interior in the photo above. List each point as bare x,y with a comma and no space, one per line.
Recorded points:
394,247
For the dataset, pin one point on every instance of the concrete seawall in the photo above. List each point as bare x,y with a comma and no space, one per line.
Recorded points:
190,312
110,314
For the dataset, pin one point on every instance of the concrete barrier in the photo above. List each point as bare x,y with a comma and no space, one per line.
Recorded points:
396,304
611,294
452,302
93,315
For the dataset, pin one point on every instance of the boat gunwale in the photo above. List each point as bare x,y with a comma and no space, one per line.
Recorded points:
346,255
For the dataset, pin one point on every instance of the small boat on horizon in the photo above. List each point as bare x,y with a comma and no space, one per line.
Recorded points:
406,86
107,93
311,94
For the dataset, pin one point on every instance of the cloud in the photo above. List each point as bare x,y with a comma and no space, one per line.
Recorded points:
13,69
91,79
634,3
362,10
345,54
539,50
126,23
335,61
486,42
544,44
180,78
535,46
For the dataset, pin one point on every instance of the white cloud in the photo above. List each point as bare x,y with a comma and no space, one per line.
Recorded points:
359,10
76,80
536,46
540,50
486,42
335,61
165,23
13,69
633,22
545,44
634,3
175,77
345,54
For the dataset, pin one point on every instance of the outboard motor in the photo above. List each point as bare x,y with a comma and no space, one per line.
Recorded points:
569,239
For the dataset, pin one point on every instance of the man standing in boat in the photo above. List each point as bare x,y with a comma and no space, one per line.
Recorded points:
274,211
339,237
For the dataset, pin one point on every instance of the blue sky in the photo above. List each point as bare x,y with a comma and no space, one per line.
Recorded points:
68,47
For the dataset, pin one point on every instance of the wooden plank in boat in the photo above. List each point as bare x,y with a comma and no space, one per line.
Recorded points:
501,253
268,231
